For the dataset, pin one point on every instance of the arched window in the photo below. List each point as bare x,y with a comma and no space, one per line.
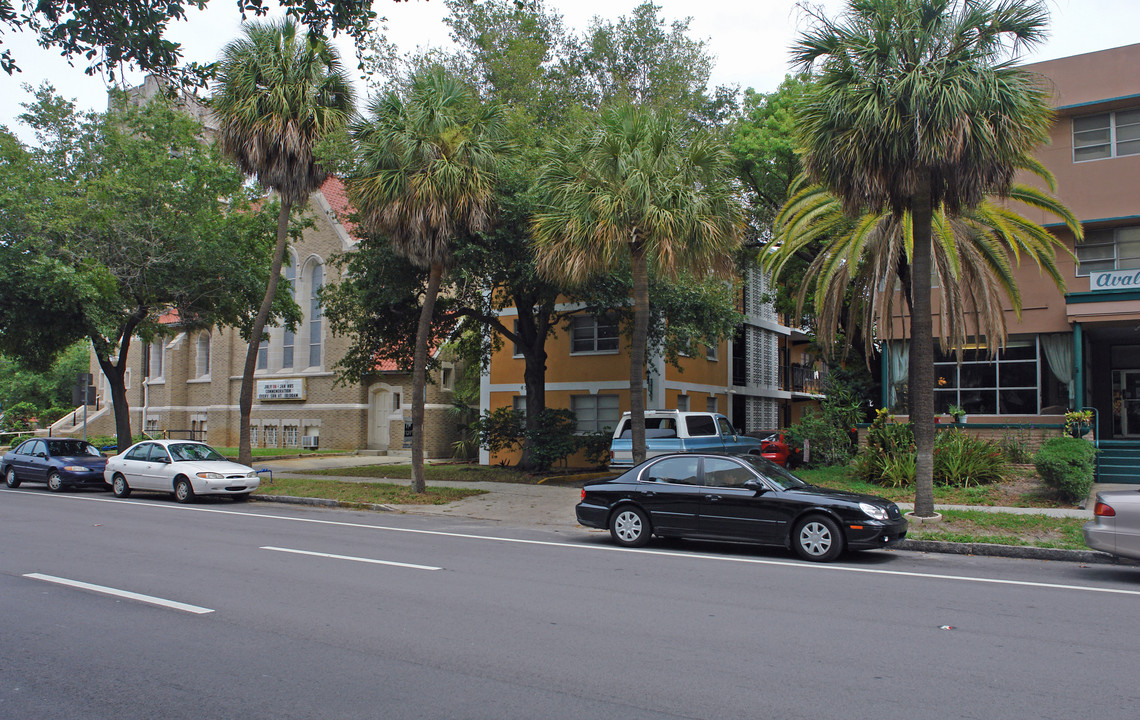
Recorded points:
287,338
315,282
203,354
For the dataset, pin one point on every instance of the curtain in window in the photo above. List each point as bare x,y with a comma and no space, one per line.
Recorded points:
1058,349
898,357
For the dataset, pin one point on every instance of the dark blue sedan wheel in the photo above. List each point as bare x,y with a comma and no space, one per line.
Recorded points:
629,527
55,482
11,480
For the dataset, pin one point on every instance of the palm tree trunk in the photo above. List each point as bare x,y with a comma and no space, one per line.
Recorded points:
640,269
419,377
245,399
922,351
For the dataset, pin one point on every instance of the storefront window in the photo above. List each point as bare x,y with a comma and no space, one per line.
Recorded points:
1006,383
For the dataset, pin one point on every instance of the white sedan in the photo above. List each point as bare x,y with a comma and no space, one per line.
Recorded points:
182,467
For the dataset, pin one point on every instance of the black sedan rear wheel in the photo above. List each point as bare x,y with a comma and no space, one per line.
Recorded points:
629,527
817,538
11,480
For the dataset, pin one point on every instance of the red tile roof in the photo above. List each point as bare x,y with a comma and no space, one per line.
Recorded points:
335,192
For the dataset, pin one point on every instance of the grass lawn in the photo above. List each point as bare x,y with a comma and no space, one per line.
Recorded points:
1023,489
435,472
363,493
976,526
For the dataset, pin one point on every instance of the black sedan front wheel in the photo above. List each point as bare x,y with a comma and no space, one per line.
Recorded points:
55,482
629,527
817,538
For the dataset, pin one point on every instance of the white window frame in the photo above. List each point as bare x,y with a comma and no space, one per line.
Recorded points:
1098,239
202,358
592,405
589,324
1113,143
316,281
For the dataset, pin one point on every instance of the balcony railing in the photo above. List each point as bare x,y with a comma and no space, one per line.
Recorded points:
791,378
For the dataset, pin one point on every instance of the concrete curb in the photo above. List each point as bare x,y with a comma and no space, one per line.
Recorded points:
321,502
1011,551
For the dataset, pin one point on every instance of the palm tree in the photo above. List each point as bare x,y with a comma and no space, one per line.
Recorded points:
637,189
279,91
862,257
916,106
426,173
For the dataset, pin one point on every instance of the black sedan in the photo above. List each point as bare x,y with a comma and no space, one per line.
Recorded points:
58,462
741,498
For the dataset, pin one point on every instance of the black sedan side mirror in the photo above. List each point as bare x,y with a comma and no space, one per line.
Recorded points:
754,484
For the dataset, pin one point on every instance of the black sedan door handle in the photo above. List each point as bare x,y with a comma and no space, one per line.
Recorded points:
713,497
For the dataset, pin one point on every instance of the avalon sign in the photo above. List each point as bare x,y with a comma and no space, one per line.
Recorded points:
291,389
1114,280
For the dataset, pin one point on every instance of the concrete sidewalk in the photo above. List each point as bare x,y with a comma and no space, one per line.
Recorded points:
552,506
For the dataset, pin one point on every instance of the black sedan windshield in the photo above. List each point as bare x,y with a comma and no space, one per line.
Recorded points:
776,475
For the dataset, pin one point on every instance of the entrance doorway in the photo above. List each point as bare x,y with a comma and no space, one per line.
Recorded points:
1126,402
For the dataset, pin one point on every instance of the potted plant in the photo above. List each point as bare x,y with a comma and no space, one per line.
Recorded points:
1078,422
956,413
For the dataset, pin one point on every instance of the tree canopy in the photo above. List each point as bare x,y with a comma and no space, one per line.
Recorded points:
111,34
134,222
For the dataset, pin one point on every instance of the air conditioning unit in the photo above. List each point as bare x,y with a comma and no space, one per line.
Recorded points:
310,441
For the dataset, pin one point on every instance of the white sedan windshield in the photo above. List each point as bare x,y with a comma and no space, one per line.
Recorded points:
190,452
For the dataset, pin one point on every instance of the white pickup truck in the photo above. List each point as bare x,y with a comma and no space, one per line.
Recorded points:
669,431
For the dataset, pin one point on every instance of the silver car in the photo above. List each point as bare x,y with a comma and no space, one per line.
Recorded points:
1116,529
182,467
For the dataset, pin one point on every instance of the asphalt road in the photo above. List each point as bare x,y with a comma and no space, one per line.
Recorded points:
306,613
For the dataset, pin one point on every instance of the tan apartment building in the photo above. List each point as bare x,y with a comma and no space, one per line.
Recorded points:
1078,349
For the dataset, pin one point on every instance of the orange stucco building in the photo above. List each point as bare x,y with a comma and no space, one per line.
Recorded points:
760,379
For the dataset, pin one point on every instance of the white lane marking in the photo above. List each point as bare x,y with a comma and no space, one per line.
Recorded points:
603,548
413,566
149,599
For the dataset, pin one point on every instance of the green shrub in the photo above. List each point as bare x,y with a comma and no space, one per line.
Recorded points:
20,416
1016,447
552,441
887,458
596,447
829,431
961,459
1065,465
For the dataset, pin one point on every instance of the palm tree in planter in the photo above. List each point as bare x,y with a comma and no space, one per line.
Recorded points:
427,170
916,106
279,91
637,189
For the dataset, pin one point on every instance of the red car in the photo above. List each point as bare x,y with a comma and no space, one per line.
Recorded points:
774,447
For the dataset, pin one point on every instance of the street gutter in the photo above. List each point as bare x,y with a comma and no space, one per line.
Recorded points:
1024,552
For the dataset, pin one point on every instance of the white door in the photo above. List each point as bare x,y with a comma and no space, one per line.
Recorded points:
379,412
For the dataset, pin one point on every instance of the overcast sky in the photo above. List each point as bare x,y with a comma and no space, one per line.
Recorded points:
748,38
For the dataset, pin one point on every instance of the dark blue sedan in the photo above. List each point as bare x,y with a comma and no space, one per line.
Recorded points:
57,462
